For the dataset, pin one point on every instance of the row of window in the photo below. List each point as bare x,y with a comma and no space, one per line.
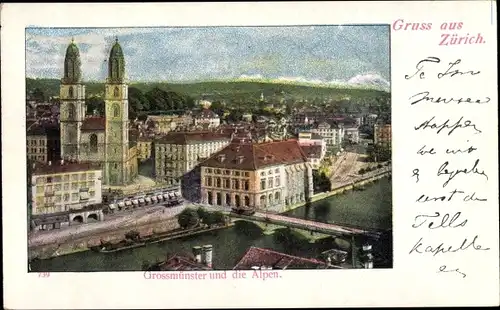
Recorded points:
270,184
227,172
227,183
269,172
59,198
35,142
34,150
64,187
66,178
37,157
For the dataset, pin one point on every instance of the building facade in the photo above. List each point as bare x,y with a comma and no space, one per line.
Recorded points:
331,132
144,147
61,187
208,118
267,176
42,142
100,140
179,152
382,135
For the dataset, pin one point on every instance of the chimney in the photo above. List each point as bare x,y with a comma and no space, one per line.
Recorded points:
197,253
207,255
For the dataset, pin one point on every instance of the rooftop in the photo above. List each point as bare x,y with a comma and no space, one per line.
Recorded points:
179,263
192,137
62,167
246,155
94,123
207,113
259,257
312,151
42,128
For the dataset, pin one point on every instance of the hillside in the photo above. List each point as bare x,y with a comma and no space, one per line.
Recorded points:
221,89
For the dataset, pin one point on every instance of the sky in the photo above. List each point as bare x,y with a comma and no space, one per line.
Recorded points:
337,55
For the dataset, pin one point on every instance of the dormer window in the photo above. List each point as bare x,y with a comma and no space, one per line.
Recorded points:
240,159
221,157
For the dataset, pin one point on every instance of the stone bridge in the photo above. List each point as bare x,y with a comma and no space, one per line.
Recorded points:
85,216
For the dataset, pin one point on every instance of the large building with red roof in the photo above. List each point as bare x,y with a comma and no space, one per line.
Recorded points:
269,176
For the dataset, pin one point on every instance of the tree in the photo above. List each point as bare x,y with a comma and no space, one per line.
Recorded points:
137,100
38,95
218,217
202,214
188,218
95,104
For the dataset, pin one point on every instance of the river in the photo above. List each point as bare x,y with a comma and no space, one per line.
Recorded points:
371,207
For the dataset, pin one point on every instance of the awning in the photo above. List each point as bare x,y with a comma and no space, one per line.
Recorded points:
148,199
84,196
135,201
128,203
112,206
141,200
121,204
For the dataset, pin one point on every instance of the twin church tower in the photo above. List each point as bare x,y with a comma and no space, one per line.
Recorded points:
96,139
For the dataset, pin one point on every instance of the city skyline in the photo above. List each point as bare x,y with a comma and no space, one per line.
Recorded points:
327,55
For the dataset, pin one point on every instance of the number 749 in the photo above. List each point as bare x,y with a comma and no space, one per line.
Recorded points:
44,274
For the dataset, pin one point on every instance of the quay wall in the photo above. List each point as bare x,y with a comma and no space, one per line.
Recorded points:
340,189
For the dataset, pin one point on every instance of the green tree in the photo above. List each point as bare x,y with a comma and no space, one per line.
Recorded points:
202,214
137,100
219,217
188,218
95,104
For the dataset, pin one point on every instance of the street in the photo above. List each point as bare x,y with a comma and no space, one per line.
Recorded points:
113,222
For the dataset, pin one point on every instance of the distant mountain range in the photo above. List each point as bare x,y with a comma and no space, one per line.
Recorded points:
241,87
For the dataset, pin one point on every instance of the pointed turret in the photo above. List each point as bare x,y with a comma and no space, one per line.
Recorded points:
72,65
116,64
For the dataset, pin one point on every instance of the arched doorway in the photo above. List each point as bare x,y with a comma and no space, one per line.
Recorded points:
78,219
247,201
270,199
237,200
210,198
263,200
93,217
219,199
277,197
228,199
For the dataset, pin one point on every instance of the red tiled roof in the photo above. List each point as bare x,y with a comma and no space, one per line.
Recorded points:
56,167
94,123
259,257
181,263
312,151
245,155
193,136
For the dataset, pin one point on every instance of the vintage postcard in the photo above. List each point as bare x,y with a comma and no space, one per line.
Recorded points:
277,145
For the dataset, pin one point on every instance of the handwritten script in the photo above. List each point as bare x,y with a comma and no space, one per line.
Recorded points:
449,158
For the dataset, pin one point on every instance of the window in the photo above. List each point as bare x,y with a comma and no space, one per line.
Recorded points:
116,110
116,92
66,187
227,183
91,183
262,174
66,178
74,197
270,172
57,187
58,198
93,143
66,197
237,173
57,179
71,92
74,186
83,176
92,194
247,174
49,179
91,176
218,182
209,181
227,172
74,177
277,181
262,184
277,170
270,182
39,189
247,185
71,111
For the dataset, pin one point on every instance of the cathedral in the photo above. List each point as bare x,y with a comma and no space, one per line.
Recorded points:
103,140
